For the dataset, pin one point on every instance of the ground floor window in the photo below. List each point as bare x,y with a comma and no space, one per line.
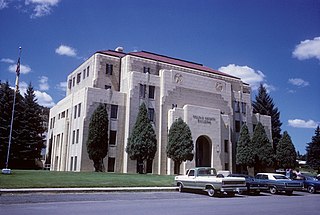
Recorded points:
111,164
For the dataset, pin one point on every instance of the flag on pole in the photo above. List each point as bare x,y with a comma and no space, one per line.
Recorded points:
18,67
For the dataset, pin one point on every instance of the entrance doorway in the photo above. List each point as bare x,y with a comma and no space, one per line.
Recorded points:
203,151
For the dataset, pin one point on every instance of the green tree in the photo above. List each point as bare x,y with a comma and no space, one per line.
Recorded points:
264,105
142,142
262,149
244,155
286,155
313,151
97,143
180,144
6,102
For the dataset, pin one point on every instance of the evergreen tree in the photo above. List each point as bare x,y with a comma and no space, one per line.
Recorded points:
6,102
265,106
286,155
262,149
313,151
142,142
180,144
97,143
31,134
244,155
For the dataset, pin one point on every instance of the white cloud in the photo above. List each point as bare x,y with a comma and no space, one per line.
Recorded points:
44,99
62,86
298,82
300,123
307,49
247,75
7,60
43,83
66,50
3,4
24,69
41,7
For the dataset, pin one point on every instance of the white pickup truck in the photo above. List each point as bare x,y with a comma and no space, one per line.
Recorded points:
206,178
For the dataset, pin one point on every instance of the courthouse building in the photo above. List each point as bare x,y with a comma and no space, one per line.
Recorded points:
212,103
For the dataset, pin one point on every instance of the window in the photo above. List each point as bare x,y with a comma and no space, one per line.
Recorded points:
226,166
75,111
237,126
236,107
63,114
109,69
75,163
146,70
73,81
191,173
113,137
111,163
78,77
71,163
79,109
88,68
151,114
226,146
77,137
84,74
73,136
114,111
70,83
107,87
151,92
142,91
243,107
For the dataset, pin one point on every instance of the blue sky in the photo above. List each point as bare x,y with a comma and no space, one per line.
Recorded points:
274,42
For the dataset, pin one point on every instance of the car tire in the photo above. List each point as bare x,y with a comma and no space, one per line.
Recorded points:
311,189
211,192
273,190
180,187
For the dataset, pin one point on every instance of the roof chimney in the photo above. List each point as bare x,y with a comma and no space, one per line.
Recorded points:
119,49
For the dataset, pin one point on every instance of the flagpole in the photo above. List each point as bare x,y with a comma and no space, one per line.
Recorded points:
6,170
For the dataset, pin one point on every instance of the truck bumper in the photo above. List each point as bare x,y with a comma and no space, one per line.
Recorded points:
233,189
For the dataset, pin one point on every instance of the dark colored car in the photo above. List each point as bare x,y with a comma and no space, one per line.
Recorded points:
311,184
279,183
252,185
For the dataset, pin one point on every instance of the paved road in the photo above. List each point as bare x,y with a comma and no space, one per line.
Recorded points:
157,203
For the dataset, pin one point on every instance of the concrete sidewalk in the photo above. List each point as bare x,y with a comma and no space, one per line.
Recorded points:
86,189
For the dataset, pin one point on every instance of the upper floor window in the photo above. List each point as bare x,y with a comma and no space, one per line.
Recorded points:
113,137
226,146
142,91
151,114
243,107
114,111
75,111
84,74
79,109
151,92
78,77
146,69
236,106
107,87
73,81
109,69
88,68
70,83
237,126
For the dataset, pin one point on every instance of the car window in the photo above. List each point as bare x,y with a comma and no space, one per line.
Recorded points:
191,173
265,177
279,177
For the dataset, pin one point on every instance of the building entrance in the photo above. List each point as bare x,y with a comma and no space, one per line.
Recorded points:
203,151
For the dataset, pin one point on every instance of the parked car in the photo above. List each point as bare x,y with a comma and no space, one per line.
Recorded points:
252,186
311,184
278,183
205,178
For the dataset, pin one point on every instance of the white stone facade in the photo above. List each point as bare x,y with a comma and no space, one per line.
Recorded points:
213,104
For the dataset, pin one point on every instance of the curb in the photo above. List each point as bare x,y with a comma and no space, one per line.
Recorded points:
86,190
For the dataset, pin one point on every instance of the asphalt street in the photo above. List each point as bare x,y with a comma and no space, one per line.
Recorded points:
157,203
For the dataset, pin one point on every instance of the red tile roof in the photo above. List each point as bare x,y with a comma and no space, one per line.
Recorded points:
169,60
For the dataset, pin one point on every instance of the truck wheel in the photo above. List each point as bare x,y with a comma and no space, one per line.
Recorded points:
311,189
180,187
211,192
273,190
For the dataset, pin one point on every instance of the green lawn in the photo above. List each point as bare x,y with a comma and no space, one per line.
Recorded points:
43,179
